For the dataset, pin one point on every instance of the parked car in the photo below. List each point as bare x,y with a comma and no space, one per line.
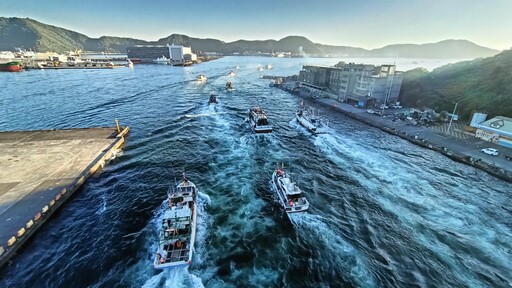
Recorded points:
371,111
490,151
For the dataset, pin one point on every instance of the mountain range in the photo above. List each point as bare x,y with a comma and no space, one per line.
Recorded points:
31,34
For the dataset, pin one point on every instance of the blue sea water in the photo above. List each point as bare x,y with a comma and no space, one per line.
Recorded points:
384,213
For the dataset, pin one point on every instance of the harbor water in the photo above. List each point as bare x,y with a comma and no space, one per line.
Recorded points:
383,212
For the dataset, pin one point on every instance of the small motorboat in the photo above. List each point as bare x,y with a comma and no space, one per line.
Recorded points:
231,73
290,195
229,85
213,99
259,121
308,119
201,78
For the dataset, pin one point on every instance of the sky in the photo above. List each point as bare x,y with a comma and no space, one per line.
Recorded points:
359,23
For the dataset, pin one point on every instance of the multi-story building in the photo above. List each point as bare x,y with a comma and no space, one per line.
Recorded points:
362,84
180,53
383,84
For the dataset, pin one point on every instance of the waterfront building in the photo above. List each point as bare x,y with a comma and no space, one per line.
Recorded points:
360,84
497,130
148,53
181,53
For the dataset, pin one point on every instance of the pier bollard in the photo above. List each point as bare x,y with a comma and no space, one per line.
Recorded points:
30,223
11,241
117,125
2,250
38,216
21,232
45,209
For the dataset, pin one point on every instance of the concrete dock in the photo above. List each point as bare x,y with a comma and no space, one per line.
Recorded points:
40,170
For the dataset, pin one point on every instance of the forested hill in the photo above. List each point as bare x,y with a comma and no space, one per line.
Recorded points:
31,34
479,85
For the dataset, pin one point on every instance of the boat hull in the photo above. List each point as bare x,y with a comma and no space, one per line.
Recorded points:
304,122
13,66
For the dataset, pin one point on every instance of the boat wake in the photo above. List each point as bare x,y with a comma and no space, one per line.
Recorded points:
203,114
337,253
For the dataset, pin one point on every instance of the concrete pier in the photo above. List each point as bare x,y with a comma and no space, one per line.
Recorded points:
40,170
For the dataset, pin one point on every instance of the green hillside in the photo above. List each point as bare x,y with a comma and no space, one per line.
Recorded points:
479,85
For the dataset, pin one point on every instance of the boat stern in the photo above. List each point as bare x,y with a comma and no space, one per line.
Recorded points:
263,129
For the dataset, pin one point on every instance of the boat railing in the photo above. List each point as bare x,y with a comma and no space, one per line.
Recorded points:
173,253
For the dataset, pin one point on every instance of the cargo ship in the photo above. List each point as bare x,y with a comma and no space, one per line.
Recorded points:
12,66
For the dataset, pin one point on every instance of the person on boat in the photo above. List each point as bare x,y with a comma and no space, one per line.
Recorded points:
178,245
159,258
291,202
280,172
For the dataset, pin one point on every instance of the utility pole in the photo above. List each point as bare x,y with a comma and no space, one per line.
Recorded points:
451,118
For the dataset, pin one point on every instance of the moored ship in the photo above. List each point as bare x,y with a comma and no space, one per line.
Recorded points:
11,66
178,229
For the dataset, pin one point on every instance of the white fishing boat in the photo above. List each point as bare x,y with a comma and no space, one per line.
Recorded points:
290,195
177,233
258,120
161,60
259,68
307,118
231,73
269,67
201,78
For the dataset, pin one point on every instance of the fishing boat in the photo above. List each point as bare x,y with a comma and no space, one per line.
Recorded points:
309,120
290,195
259,68
259,121
213,99
177,232
231,73
269,67
229,85
11,66
161,60
201,78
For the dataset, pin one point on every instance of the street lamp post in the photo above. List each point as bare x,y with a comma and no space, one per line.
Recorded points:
451,118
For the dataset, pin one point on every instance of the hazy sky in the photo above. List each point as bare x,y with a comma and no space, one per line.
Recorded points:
361,23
